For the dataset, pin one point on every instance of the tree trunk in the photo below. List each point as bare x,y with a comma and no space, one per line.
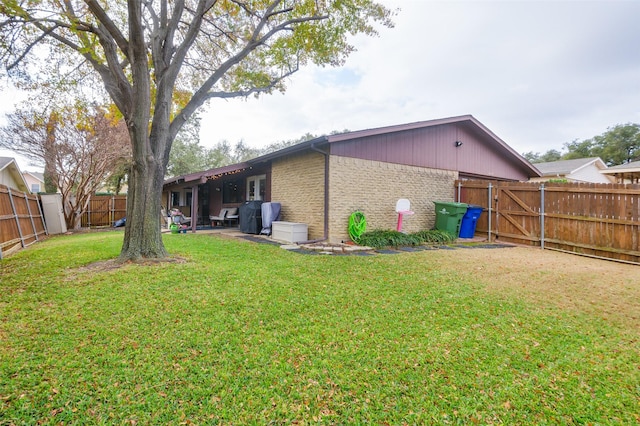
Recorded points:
50,175
142,238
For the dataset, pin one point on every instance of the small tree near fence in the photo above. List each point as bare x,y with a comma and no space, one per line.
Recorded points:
80,146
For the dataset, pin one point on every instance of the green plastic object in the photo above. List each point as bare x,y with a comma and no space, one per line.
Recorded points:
449,216
357,226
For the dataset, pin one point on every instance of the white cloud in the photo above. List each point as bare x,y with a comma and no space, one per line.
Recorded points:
539,74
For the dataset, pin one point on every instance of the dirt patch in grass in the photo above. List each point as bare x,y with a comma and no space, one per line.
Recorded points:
113,264
606,289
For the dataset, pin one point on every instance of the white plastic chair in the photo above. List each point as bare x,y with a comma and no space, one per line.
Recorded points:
232,214
220,218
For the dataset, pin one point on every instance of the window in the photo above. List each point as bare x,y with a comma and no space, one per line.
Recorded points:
35,188
256,187
231,191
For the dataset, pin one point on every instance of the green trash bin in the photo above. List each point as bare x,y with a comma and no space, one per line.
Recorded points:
449,216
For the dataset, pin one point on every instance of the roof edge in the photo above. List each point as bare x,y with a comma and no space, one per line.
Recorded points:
199,176
396,128
289,150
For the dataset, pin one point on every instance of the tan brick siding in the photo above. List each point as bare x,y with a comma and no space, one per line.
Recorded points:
297,182
373,187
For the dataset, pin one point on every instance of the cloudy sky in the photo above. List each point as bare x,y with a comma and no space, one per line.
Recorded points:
538,74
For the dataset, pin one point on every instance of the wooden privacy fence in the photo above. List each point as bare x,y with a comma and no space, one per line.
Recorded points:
599,220
21,220
104,210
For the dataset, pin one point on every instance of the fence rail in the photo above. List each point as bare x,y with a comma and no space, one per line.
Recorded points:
21,220
599,220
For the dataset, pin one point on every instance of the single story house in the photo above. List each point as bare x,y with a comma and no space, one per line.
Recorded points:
321,182
624,173
11,176
576,170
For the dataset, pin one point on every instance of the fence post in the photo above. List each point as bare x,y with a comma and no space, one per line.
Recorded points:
489,212
33,224
112,209
542,216
459,189
89,213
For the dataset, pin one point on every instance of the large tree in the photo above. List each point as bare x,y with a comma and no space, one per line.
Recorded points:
161,60
536,157
619,144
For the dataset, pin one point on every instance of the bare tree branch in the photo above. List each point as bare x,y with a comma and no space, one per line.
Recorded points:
109,25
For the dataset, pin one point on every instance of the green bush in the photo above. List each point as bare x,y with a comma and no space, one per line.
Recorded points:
435,236
386,238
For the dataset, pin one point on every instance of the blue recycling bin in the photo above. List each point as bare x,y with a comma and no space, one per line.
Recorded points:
469,221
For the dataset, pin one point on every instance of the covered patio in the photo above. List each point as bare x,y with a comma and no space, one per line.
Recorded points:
205,194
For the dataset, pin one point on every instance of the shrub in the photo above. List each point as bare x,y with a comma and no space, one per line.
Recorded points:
435,236
385,238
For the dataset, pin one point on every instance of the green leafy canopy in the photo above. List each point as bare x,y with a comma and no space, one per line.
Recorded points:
161,60
207,48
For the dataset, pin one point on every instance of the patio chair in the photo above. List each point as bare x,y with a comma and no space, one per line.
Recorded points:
179,218
219,218
232,214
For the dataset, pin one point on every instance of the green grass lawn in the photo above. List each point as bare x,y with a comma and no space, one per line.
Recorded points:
249,333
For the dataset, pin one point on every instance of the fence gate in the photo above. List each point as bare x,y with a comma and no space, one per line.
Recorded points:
598,220
104,210
517,213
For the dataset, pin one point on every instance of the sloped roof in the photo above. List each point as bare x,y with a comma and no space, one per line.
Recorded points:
214,173
466,119
37,175
5,161
567,167
10,166
631,167
625,172
323,141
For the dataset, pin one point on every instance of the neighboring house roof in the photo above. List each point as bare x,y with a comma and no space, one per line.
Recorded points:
36,175
10,174
633,166
629,171
567,167
577,170
35,181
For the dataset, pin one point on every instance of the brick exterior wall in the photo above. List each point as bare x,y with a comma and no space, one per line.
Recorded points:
373,187
297,182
